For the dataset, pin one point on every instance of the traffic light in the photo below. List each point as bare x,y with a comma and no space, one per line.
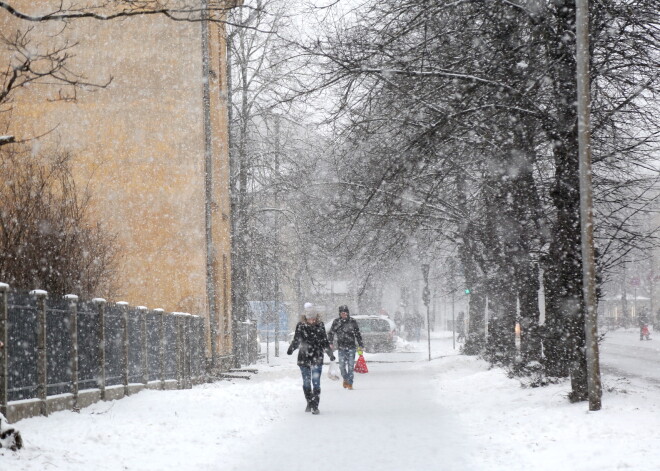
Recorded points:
426,296
468,290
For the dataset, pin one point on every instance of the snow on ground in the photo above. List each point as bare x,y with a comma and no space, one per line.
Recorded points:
453,413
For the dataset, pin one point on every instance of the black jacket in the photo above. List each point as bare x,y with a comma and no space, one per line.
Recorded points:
312,341
347,332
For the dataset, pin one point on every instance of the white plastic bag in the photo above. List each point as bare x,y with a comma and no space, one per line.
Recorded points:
333,371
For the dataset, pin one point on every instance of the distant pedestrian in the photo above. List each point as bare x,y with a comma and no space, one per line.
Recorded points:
417,323
643,321
346,329
398,320
409,326
311,341
460,326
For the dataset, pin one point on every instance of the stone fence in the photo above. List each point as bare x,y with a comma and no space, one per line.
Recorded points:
66,353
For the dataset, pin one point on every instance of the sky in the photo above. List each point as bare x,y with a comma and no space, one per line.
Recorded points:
451,413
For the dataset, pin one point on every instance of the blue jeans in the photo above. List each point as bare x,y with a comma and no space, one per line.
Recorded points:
311,376
346,363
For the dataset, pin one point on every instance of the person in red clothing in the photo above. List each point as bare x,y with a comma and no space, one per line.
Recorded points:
644,326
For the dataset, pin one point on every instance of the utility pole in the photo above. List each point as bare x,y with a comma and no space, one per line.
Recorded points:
276,230
434,309
453,321
624,295
426,297
586,203
652,291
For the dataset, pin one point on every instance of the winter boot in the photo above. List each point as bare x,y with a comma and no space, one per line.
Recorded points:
316,397
345,384
308,397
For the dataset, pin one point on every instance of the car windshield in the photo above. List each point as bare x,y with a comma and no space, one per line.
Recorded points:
373,325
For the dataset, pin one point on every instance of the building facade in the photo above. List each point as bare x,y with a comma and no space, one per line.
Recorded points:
147,129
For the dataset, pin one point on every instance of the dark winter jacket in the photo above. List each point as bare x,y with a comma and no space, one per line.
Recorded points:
311,341
347,332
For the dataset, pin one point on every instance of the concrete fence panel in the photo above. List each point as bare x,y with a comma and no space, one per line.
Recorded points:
66,353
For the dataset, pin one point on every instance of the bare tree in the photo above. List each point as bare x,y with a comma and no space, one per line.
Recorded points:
267,138
46,238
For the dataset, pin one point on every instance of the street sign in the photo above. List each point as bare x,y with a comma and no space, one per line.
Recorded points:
635,281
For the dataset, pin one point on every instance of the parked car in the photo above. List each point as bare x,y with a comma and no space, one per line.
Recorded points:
378,333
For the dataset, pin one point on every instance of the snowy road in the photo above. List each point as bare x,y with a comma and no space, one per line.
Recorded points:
623,354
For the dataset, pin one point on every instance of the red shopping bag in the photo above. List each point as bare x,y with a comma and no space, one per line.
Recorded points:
361,365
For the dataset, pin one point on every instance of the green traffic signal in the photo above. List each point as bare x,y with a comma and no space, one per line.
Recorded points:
467,291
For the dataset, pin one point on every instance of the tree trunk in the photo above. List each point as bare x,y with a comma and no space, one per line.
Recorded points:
565,340
475,332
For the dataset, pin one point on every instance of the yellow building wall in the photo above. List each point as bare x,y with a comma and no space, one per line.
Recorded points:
139,145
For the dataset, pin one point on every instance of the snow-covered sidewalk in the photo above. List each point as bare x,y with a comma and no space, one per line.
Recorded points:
453,413
392,420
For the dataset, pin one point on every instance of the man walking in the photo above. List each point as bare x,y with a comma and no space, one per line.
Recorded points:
348,334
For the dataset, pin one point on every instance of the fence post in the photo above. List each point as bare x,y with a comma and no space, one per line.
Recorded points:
42,365
124,344
187,353
161,347
195,335
253,352
181,348
143,343
100,306
4,339
178,317
73,353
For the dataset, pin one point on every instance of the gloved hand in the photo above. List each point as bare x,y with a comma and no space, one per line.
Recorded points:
359,351
289,351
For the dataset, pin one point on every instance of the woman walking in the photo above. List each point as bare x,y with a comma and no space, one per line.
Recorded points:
311,341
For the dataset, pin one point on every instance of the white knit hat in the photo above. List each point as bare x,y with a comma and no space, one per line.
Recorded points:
309,306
